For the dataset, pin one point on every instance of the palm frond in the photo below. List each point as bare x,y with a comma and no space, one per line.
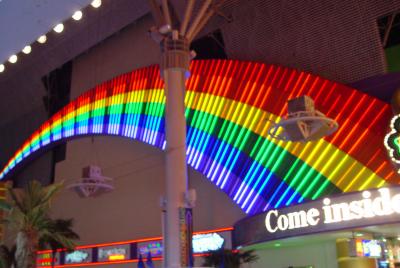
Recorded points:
15,199
4,205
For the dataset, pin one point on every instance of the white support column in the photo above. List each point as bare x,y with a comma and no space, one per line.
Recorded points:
176,173
175,44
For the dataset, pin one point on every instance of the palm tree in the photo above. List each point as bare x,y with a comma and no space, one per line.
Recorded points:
28,214
60,235
229,258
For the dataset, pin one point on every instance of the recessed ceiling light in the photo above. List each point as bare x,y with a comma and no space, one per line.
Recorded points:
42,39
96,3
13,59
77,15
59,28
2,68
27,49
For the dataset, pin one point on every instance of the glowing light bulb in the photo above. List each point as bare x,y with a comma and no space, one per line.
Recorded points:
77,15
366,194
96,3
27,49
2,68
13,59
327,201
42,39
59,28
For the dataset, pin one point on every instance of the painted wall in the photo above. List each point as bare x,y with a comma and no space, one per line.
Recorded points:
132,210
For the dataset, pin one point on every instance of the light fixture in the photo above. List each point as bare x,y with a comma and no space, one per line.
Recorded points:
59,28
13,59
42,39
77,15
359,234
2,68
398,238
366,194
27,49
277,245
96,3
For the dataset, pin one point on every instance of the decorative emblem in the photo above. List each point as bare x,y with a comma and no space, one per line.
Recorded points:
392,141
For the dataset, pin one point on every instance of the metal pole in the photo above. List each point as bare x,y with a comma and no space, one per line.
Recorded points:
177,225
175,64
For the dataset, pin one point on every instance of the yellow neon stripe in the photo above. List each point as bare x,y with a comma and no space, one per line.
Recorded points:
83,109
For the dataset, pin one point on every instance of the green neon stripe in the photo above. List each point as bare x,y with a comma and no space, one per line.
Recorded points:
100,111
83,117
69,123
268,154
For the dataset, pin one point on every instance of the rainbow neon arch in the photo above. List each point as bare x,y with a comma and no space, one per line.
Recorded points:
230,107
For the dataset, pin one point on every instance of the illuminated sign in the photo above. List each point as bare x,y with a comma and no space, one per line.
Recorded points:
155,248
185,233
372,248
275,174
79,256
207,242
48,259
339,212
114,253
392,141
116,257
201,243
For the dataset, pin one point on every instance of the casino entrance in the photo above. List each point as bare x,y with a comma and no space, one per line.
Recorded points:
353,230
368,247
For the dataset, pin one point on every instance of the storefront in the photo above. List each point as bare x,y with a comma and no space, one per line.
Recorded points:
358,229
125,252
